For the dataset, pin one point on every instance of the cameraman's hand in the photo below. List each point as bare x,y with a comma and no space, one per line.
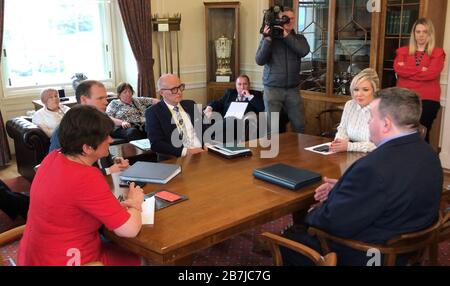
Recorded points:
266,33
285,33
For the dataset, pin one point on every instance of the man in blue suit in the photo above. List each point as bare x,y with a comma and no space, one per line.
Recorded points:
242,93
174,126
393,190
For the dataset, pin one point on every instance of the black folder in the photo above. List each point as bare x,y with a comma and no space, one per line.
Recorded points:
230,152
287,176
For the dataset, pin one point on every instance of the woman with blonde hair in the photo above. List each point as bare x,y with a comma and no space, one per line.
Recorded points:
353,130
418,67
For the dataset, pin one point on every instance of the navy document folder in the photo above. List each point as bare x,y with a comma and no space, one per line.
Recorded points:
287,176
150,172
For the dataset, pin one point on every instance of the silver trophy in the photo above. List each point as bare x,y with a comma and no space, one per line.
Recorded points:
223,54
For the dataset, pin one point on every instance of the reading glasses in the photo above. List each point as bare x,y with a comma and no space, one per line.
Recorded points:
175,90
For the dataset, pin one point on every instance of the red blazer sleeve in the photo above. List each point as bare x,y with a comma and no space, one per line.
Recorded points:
435,66
405,70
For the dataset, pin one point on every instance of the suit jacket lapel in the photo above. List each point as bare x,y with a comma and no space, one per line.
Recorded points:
167,118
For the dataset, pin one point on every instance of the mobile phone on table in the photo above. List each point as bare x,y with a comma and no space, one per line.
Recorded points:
323,148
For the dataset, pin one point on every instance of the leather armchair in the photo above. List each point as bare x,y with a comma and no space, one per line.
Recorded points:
31,144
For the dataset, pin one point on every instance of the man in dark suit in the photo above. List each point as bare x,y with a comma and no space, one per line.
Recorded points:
393,190
174,126
242,93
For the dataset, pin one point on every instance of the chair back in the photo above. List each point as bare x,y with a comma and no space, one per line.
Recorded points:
8,237
422,131
15,234
328,121
402,244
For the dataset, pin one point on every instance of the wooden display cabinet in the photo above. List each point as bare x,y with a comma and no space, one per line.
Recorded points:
359,39
221,20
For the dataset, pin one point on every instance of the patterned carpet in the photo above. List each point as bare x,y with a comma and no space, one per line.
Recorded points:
237,251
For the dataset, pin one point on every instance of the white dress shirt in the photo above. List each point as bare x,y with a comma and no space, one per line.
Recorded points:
192,140
354,127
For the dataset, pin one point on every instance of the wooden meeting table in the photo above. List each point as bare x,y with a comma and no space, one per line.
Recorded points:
224,199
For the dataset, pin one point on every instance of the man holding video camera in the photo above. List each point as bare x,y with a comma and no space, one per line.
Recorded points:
280,51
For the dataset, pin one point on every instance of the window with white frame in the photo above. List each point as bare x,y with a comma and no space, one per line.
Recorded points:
46,42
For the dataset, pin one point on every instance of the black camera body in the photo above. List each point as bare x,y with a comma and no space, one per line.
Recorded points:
272,18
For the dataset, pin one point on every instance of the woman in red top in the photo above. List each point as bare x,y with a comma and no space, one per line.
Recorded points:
71,199
418,67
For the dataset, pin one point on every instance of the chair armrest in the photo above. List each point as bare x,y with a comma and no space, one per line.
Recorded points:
94,263
11,235
358,245
276,240
32,136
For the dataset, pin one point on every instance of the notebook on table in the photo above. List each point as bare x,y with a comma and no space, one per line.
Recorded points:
150,172
287,176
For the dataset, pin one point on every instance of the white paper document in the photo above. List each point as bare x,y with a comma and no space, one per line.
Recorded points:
143,144
148,211
236,110
321,149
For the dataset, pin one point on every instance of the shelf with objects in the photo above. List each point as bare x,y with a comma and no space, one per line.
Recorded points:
222,47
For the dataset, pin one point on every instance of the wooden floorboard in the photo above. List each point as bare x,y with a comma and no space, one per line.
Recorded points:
9,171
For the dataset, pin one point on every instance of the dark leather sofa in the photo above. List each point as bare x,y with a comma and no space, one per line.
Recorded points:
31,144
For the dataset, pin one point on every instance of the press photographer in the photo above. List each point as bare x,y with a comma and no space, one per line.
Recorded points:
280,51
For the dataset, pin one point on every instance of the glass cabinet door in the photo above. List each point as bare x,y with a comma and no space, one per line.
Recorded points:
313,24
400,17
352,38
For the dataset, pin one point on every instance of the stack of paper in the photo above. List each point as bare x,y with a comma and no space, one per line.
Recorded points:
148,211
143,144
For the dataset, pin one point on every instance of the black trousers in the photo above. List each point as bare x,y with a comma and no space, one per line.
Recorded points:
430,109
12,203
129,134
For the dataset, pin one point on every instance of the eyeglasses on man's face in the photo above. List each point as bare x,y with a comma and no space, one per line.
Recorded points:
175,90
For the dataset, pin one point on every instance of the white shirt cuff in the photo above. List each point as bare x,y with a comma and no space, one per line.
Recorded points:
184,152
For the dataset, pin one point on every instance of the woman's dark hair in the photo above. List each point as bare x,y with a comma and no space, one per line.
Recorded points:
83,124
122,86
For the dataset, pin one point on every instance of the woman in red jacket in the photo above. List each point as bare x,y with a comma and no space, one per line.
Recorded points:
418,67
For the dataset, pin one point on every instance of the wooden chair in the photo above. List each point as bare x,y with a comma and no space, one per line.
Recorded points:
443,235
422,131
414,242
328,121
275,241
15,234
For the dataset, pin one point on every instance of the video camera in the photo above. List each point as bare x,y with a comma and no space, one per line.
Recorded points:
272,18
